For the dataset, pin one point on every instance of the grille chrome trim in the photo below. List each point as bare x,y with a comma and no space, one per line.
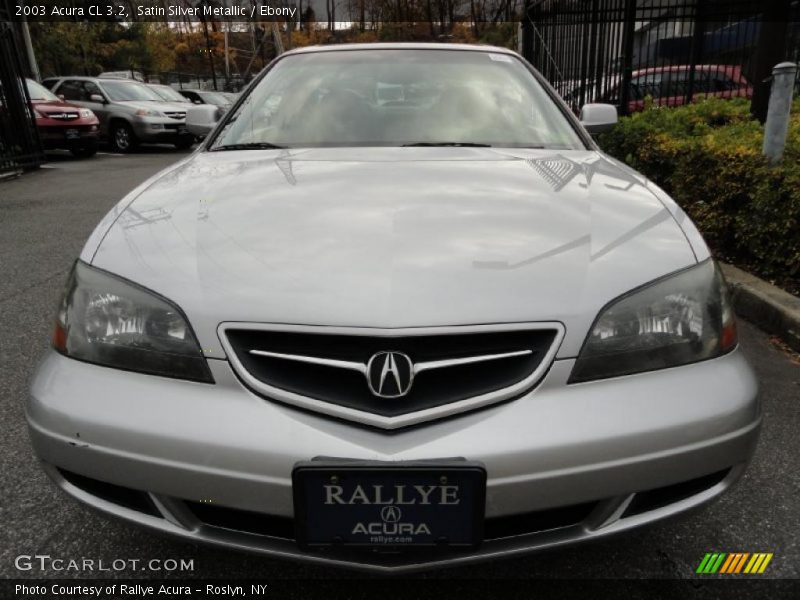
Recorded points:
403,420
62,116
315,360
419,367
468,360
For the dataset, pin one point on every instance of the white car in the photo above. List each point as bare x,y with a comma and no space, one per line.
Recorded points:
395,333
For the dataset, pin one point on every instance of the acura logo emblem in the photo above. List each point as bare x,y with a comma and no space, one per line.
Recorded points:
390,514
390,374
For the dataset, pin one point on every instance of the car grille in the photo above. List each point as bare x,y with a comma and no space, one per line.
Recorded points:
434,368
63,116
494,527
176,115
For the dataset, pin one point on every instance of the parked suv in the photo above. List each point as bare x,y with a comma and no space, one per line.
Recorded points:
207,97
63,125
129,111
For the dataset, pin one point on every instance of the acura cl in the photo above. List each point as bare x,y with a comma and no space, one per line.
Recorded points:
398,311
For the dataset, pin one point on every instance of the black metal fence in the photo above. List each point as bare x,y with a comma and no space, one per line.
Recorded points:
182,80
20,147
673,51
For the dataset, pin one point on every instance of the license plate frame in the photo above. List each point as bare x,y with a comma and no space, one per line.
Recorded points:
318,525
72,134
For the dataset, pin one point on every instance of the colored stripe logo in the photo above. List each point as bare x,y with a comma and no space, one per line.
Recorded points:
734,563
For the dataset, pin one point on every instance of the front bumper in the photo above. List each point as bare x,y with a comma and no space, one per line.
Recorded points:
53,135
167,130
593,445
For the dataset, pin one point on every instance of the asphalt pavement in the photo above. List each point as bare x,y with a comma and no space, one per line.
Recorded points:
46,216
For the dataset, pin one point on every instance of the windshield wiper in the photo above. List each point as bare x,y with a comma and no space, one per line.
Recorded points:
464,144
249,146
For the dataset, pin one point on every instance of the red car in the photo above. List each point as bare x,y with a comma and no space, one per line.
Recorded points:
63,125
669,85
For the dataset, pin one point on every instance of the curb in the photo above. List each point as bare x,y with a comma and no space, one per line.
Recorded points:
774,310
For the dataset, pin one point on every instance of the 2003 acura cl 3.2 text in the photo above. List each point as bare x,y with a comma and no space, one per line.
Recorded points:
397,311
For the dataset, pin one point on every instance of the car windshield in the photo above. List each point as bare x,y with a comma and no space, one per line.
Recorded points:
121,91
398,97
38,92
167,93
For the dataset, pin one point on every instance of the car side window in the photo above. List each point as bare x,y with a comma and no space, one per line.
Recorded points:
723,83
677,83
71,90
89,88
648,84
704,81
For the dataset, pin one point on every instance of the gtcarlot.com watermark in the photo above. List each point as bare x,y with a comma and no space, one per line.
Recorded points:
46,562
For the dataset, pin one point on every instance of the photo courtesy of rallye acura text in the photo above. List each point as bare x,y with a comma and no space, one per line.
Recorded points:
396,312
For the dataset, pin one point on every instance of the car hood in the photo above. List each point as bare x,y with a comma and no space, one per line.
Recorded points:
154,105
392,237
54,105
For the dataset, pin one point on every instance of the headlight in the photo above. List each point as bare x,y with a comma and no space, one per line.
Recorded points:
680,319
106,320
146,112
86,113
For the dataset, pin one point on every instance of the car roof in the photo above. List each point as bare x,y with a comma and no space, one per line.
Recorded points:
400,46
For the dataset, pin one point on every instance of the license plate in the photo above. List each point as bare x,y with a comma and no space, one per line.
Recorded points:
389,504
181,129
72,134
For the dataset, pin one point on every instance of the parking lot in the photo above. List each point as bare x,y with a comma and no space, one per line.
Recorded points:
45,217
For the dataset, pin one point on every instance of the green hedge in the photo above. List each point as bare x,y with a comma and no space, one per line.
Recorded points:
707,156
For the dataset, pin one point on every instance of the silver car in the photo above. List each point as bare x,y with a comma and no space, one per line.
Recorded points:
130,113
395,332
168,93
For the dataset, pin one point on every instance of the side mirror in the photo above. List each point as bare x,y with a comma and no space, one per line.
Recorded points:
97,98
201,118
61,97
597,118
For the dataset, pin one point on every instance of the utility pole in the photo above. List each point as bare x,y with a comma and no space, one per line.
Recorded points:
289,27
208,51
276,37
227,62
201,4
26,37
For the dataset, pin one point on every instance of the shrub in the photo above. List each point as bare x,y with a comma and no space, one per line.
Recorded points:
707,155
